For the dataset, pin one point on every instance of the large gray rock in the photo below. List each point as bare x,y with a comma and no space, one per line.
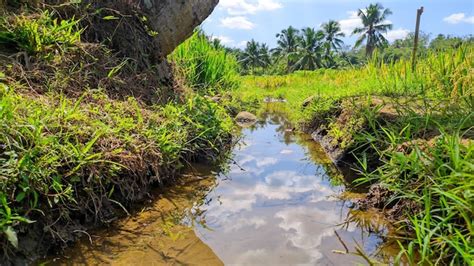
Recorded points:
175,20
146,30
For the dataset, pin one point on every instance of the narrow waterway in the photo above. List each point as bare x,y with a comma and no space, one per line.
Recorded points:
278,201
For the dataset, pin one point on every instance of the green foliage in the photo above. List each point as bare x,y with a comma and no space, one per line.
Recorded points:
332,34
205,67
53,149
324,84
199,125
435,174
424,152
255,57
288,41
403,48
444,43
310,50
438,74
39,34
374,21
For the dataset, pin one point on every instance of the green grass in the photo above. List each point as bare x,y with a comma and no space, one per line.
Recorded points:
295,88
205,68
439,75
433,175
68,161
39,33
433,118
54,149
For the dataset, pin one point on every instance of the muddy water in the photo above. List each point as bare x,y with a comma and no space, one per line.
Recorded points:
278,202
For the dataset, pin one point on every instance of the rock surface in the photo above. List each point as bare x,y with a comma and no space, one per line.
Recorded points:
246,119
146,30
308,101
175,20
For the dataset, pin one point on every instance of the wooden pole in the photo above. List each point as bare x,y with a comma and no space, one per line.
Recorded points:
417,34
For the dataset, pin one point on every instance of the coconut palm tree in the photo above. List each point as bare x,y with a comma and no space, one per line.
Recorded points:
288,42
375,25
332,34
216,43
310,51
265,55
255,55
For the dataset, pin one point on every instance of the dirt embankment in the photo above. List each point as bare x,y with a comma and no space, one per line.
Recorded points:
122,53
128,40
341,132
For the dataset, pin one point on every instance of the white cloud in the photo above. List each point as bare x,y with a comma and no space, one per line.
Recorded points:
348,25
396,34
224,40
242,44
459,18
238,22
267,161
303,232
240,223
245,7
268,5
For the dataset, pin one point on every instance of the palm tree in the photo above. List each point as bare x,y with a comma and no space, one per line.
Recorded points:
216,43
349,57
374,21
310,50
288,42
332,34
255,55
264,52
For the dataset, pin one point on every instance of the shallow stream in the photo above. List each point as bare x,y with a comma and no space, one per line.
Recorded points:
278,201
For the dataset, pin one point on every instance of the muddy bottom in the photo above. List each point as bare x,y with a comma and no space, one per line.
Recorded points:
277,202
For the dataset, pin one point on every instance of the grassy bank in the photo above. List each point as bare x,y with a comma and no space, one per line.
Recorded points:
83,134
410,132
439,76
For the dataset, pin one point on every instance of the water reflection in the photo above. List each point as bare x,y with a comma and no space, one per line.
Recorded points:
276,204
154,235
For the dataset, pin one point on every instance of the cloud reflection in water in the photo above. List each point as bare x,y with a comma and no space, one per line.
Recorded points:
278,210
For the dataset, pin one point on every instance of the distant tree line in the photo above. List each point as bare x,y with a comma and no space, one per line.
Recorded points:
311,49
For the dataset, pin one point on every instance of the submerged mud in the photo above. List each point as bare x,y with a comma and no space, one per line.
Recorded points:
154,235
279,200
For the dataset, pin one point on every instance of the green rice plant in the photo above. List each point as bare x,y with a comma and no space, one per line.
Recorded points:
438,74
39,34
204,67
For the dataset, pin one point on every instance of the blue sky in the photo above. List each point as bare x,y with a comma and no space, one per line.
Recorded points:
237,21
